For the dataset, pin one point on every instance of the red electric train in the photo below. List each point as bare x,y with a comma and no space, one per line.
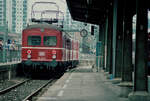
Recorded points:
48,47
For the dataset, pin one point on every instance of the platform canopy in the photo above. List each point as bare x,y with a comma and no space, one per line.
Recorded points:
94,11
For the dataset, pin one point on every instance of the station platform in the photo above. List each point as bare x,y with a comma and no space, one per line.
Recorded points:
8,70
82,84
10,63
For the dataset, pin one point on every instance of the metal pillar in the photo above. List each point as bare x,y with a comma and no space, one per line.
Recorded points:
127,46
141,48
140,80
101,39
106,45
117,38
109,43
114,36
103,46
126,83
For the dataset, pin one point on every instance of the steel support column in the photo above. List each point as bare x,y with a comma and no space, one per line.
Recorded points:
127,46
109,42
115,12
119,41
126,83
141,48
117,38
140,80
102,40
106,45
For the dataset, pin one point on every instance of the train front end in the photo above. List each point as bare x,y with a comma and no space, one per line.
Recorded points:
41,48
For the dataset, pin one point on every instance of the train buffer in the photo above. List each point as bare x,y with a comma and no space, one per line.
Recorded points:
82,84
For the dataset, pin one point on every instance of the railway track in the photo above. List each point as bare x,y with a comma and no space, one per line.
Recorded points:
25,90
3,91
33,94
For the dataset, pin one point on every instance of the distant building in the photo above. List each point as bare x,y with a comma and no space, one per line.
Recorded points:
9,14
2,17
2,12
13,18
19,15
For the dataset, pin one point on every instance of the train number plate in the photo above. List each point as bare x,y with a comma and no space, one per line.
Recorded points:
41,53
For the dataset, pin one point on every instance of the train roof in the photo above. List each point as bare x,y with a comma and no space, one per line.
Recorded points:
45,25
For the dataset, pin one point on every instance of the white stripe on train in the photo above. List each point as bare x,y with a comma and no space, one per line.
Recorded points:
40,48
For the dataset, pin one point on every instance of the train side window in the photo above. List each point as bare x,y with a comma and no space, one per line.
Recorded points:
34,40
50,40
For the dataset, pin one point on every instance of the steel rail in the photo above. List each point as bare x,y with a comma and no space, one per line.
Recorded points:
52,81
12,87
29,97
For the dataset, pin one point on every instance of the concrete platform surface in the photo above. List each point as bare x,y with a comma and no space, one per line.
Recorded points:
9,63
82,85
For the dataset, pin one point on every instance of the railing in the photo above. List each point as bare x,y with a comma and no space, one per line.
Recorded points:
10,56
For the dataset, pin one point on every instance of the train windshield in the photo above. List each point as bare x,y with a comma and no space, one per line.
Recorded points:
34,40
50,40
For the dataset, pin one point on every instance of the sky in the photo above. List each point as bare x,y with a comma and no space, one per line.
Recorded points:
41,7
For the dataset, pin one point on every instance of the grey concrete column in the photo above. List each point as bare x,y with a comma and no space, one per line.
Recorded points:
140,80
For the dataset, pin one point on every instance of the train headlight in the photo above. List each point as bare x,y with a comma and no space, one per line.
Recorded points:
29,56
54,57
29,51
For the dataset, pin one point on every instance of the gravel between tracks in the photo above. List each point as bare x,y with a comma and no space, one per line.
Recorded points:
22,91
7,83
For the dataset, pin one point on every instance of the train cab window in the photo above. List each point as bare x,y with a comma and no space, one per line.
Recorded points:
50,40
34,40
